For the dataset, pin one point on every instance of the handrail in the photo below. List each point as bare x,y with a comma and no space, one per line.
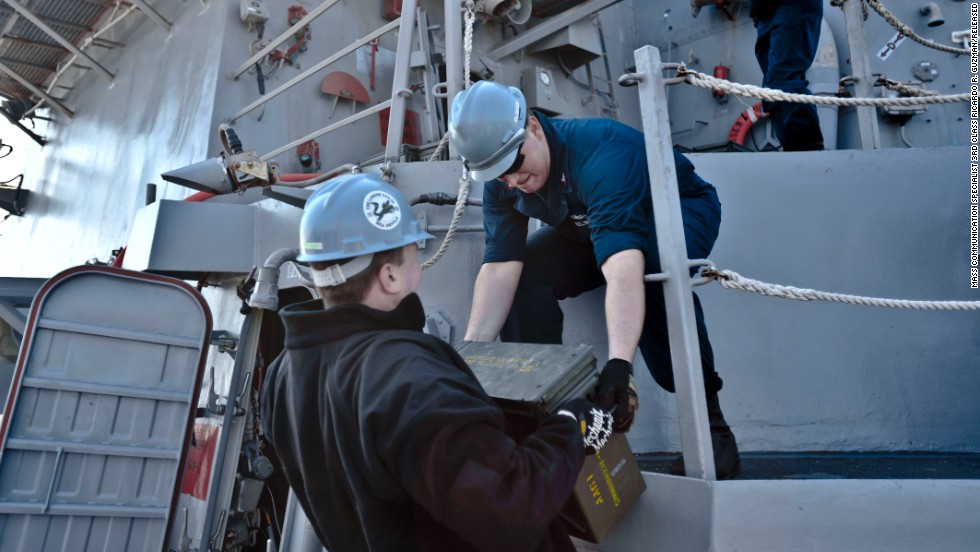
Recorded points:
857,42
399,83
399,97
282,38
454,56
312,70
312,136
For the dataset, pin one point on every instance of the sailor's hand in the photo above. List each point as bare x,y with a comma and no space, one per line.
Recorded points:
595,423
617,392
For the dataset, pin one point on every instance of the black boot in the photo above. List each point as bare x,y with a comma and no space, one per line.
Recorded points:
727,463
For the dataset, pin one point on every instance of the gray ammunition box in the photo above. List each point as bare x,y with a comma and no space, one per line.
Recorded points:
532,378
530,381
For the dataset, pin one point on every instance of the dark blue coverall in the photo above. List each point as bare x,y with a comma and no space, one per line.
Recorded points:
596,202
788,32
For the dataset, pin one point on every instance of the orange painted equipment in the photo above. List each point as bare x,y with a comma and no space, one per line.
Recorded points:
344,85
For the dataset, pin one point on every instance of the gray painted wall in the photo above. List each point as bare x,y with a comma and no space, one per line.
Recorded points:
302,109
668,25
87,183
826,376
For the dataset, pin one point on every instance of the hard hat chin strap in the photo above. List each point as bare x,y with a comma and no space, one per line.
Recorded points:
337,274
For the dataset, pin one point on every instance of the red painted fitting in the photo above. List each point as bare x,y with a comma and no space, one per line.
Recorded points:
199,196
296,177
721,72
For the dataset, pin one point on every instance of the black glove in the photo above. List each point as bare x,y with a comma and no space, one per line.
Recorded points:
596,424
617,392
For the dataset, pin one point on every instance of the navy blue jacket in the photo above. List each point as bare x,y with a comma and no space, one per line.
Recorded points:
598,192
391,444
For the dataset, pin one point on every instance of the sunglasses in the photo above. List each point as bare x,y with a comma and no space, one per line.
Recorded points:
516,165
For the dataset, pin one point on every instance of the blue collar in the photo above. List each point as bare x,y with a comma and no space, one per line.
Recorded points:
551,196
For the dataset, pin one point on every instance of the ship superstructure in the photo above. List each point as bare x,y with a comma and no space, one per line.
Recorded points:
859,424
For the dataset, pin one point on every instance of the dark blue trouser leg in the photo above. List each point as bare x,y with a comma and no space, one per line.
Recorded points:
785,48
557,268
702,219
655,344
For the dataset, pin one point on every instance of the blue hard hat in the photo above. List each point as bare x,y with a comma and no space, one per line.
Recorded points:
355,215
486,128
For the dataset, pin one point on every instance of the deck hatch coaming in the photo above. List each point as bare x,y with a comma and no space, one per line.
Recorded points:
98,419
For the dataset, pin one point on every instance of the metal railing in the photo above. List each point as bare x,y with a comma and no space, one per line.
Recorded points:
400,91
867,118
315,69
260,55
678,300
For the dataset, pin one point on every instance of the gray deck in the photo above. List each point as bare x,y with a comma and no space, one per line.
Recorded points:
814,515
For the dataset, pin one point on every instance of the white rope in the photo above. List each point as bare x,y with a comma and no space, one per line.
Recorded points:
464,182
440,147
464,192
702,80
733,280
907,31
468,18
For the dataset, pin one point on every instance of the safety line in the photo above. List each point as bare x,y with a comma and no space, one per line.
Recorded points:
733,280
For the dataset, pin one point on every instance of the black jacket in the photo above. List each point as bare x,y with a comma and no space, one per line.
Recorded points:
390,442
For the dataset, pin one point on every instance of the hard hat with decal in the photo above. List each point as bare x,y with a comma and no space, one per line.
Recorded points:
353,217
486,127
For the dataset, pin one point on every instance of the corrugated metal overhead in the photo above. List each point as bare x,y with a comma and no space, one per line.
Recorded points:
37,57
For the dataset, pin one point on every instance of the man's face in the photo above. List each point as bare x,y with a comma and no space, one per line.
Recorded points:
530,173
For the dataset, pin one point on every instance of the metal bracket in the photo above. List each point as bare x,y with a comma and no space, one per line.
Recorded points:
219,409
635,78
185,539
771,140
225,341
248,163
961,37
214,535
436,323
630,79
691,263
424,226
